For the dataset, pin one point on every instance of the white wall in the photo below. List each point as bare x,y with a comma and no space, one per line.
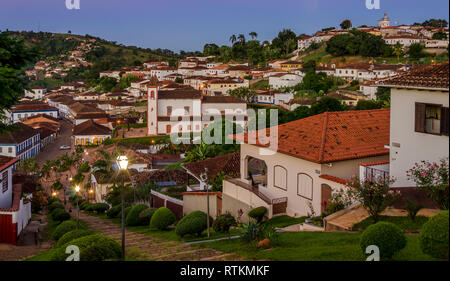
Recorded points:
6,197
413,146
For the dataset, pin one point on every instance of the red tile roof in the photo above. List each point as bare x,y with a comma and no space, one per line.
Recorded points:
428,77
332,136
230,164
333,179
90,128
6,161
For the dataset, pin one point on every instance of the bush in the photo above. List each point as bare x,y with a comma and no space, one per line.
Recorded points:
133,218
251,231
127,210
55,205
51,199
194,224
114,211
147,214
84,205
72,235
258,214
65,227
413,208
60,215
223,223
100,208
387,236
102,248
435,235
162,219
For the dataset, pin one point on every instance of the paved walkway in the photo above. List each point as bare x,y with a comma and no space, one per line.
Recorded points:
358,214
144,247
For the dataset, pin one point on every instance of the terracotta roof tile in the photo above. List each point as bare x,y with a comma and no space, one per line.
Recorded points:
429,77
230,164
90,128
332,136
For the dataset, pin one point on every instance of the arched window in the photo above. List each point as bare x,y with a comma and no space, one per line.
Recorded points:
257,171
305,186
280,177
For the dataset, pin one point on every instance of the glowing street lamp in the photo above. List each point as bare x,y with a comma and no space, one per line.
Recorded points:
122,163
77,189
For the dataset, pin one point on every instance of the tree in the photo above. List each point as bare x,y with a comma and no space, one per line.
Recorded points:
346,24
241,39
327,104
435,23
433,178
243,93
374,194
383,94
309,66
233,39
416,51
253,35
14,55
398,50
439,36
29,166
369,104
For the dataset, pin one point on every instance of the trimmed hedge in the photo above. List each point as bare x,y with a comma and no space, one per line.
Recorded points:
127,210
387,236
55,205
114,211
147,214
65,227
60,215
194,224
258,213
100,248
162,219
72,235
100,208
435,235
84,205
133,218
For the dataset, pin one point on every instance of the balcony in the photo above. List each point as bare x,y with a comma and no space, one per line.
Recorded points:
253,197
374,170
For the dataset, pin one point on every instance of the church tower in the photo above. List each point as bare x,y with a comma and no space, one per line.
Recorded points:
384,22
152,110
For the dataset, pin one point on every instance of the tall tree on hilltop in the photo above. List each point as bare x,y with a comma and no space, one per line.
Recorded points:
253,34
346,24
233,39
241,39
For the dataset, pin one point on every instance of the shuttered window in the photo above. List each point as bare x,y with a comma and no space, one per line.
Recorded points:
5,181
420,117
444,120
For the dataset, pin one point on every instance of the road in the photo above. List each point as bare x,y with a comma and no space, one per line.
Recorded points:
52,150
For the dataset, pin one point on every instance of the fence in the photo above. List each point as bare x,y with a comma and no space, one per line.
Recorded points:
159,200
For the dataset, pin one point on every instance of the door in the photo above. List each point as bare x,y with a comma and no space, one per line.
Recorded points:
168,129
326,196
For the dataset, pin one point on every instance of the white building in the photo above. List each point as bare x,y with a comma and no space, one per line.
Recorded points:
419,119
22,111
311,158
187,110
36,93
90,133
384,22
284,80
405,40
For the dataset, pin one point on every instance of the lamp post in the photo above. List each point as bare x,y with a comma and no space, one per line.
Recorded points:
77,189
122,162
204,178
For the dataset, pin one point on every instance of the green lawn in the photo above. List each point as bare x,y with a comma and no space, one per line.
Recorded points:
314,246
284,221
405,223
170,234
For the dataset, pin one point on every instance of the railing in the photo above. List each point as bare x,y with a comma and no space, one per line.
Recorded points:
373,173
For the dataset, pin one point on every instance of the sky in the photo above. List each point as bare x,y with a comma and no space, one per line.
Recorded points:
189,24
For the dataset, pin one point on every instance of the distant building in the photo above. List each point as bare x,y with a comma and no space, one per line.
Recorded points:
282,80
384,22
90,133
23,111
23,142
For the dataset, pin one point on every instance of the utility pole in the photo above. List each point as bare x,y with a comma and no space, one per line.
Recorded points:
204,178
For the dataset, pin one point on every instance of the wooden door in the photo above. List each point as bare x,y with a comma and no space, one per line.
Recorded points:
326,196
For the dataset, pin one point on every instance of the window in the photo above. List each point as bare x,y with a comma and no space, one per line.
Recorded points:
5,181
186,110
431,119
169,111
9,149
280,177
257,171
305,186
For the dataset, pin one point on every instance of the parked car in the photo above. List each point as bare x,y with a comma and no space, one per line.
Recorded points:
64,147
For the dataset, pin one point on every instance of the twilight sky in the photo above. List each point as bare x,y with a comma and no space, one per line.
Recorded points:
189,24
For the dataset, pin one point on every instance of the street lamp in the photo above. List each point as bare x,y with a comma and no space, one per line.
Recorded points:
204,178
77,189
122,163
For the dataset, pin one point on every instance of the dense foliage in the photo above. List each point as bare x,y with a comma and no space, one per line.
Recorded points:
258,213
357,43
435,236
72,235
162,219
133,217
388,237
194,224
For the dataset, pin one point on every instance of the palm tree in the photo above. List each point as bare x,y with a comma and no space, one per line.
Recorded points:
398,50
233,39
29,166
47,169
241,38
253,35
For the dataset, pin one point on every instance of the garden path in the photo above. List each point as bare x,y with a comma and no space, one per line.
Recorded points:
144,247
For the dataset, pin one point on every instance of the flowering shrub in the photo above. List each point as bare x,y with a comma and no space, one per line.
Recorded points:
339,201
374,194
433,178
